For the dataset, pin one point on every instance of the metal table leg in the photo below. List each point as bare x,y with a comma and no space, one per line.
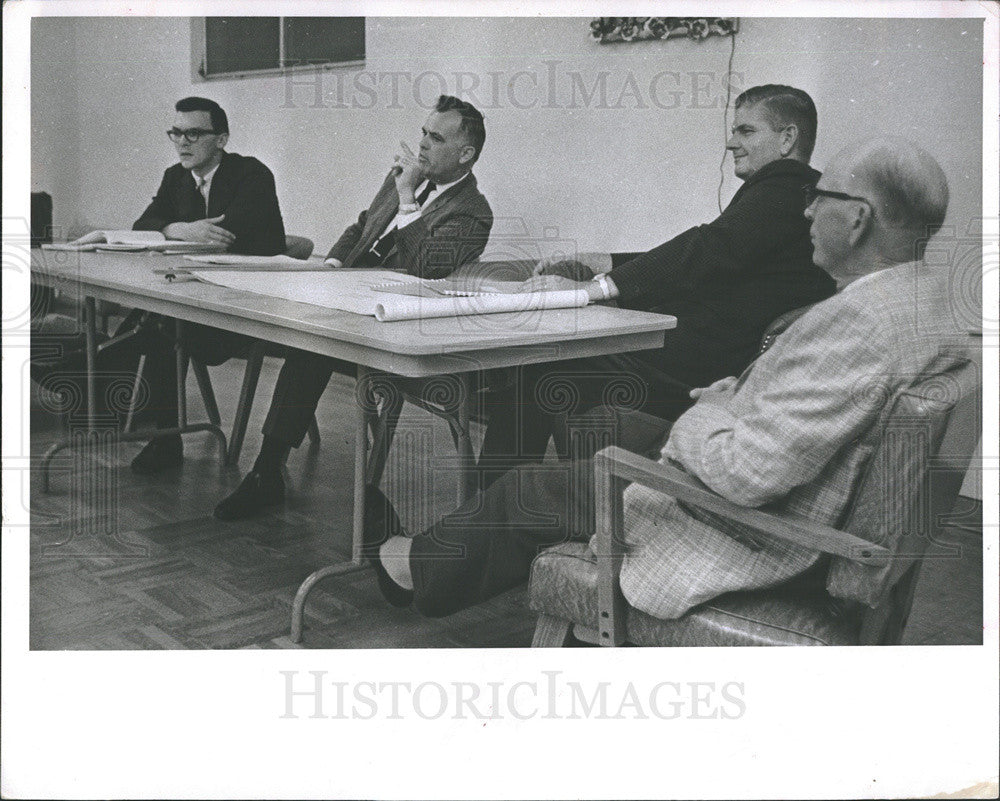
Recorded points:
369,465
467,479
356,563
90,331
360,469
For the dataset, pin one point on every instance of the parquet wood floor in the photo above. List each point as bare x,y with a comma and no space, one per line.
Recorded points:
148,567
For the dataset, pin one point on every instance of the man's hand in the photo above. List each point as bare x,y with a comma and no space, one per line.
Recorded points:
207,230
550,283
573,270
582,268
721,385
409,174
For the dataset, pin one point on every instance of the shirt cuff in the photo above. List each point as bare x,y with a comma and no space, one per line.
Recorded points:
331,262
607,284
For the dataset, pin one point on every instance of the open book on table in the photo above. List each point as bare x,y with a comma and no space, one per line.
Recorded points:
133,241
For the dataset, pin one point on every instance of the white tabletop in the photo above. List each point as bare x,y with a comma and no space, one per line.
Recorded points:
410,348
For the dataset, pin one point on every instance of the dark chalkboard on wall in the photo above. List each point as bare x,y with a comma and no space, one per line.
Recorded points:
311,40
241,46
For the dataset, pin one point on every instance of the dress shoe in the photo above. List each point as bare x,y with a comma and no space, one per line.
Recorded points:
382,522
255,493
160,453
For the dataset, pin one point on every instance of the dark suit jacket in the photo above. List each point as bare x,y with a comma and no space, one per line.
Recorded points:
727,280
242,189
452,230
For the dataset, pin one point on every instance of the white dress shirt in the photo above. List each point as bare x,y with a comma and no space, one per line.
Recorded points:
204,183
402,220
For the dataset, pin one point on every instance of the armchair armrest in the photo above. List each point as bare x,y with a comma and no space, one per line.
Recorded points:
684,487
615,467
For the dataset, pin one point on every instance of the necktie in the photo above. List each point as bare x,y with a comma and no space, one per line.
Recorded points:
385,243
201,202
765,346
422,197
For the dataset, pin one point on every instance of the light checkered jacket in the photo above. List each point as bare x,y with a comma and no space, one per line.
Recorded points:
795,433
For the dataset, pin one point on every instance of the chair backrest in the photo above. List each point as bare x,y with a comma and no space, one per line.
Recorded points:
41,218
907,486
298,247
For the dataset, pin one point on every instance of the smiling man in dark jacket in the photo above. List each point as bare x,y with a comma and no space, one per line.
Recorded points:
725,281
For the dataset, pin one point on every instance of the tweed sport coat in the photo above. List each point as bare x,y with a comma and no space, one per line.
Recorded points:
795,433
452,230
242,189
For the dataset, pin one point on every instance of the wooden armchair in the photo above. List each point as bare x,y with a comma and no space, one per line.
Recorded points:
910,483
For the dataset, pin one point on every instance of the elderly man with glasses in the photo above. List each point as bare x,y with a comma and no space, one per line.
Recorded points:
794,432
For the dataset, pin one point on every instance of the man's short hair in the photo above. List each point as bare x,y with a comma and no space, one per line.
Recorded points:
909,185
220,122
786,105
472,120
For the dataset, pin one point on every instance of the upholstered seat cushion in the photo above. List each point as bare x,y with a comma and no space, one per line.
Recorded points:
564,585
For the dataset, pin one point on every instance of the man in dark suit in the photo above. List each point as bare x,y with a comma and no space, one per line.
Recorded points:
213,196
427,219
209,196
725,281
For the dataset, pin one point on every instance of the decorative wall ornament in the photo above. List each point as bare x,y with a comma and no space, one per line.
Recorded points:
631,29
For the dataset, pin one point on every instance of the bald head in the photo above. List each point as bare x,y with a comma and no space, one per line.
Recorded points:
907,187
878,203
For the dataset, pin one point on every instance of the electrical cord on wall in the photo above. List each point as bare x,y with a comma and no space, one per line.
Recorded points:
725,118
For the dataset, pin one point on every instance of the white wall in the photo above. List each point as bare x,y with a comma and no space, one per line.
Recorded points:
616,171
55,114
608,175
